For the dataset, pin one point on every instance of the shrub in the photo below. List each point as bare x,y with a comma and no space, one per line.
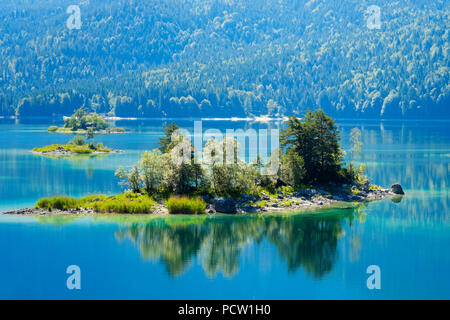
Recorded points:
101,148
286,189
52,129
124,203
81,149
77,140
60,203
131,178
185,205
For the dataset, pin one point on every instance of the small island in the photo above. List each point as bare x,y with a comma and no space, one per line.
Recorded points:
82,122
76,146
311,174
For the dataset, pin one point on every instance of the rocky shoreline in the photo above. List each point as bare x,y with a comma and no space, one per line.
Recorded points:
292,201
282,201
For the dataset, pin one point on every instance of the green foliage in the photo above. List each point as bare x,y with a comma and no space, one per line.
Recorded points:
101,148
77,141
166,143
185,205
52,129
72,148
152,167
124,203
225,179
132,178
287,189
359,176
292,170
315,139
84,121
287,203
227,174
312,156
355,139
90,134
59,203
182,174
222,58
354,175
76,145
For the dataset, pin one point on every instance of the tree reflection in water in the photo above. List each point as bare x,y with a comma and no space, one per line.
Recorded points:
302,241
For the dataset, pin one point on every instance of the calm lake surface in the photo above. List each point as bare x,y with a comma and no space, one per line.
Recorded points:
285,256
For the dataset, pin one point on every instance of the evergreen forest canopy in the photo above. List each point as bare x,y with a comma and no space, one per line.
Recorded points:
222,58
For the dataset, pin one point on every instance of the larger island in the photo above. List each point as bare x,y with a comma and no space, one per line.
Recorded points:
311,174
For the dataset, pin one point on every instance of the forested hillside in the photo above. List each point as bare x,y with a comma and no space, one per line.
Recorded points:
153,58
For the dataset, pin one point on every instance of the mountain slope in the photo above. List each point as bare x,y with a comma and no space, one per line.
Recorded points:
225,58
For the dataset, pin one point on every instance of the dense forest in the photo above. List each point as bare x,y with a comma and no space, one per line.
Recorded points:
216,58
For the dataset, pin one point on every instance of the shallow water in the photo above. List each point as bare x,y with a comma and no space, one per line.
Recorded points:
283,256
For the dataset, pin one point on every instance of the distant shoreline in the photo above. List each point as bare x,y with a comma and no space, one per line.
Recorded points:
224,119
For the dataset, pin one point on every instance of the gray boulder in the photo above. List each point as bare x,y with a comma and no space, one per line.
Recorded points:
225,205
265,197
303,193
210,209
397,189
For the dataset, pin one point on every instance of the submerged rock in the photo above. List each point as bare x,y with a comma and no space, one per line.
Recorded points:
225,205
397,199
397,189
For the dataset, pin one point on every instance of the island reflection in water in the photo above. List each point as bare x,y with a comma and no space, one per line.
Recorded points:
306,241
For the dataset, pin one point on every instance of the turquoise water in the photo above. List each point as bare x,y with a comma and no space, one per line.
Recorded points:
313,256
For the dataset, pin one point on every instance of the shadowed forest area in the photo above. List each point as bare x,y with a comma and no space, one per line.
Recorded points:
225,58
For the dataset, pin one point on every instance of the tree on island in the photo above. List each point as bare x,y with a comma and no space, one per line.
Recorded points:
310,155
152,167
356,174
166,143
315,139
81,120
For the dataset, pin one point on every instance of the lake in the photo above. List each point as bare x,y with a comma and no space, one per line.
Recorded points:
321,255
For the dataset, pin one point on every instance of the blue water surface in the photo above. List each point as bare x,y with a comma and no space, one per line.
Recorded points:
323,255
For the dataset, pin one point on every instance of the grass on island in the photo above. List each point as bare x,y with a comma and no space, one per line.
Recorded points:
77,145
130,203
72,148
185,205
